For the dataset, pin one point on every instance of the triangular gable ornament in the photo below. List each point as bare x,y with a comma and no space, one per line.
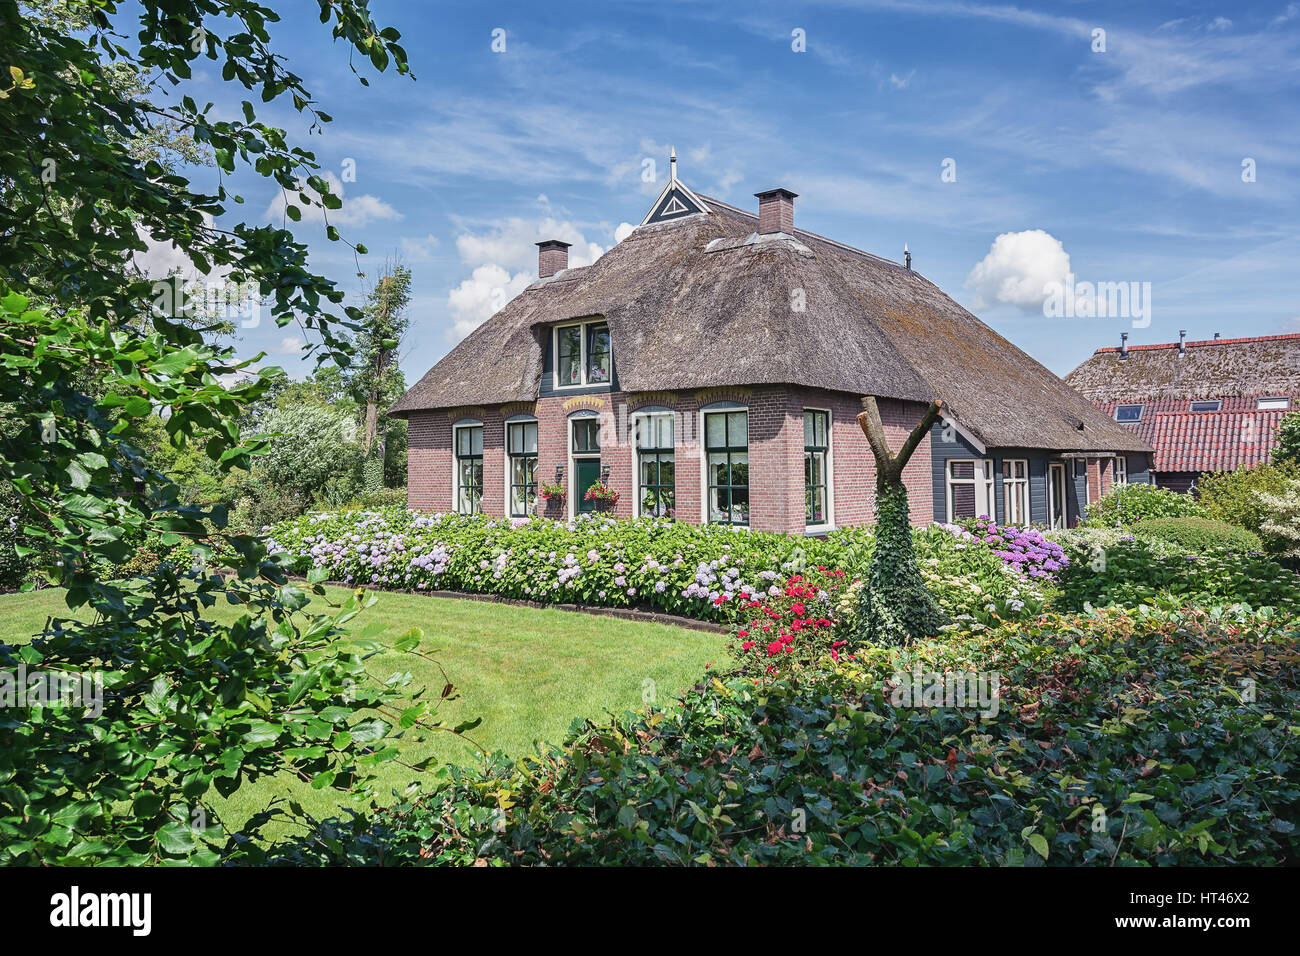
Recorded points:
676,200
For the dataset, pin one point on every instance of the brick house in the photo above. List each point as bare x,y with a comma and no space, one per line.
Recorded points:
1206,406
711,367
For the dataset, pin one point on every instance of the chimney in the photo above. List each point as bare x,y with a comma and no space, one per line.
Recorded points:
1123,345
552,257
907,258
1216,336
1182,341
776,211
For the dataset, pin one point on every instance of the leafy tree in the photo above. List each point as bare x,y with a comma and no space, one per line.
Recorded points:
186,706
378,381
1287,450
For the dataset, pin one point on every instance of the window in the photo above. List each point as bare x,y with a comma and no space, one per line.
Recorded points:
583,355
1121,470
970,484
597,354
1272,404
521,452
1015,491
1080,468
726,446
656,465
469,469
816,447
586,436
1210,405
1128,413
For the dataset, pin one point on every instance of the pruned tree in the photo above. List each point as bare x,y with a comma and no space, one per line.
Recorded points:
895,603
378,381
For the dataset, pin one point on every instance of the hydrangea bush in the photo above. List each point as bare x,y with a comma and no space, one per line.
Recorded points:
1025,549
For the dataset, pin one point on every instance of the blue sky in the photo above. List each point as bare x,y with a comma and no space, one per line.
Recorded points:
1128,161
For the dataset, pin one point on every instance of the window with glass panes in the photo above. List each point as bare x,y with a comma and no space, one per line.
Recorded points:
586,436
726,446
1015,491
597,354
816,446
469,469
1121,470
521,449
568,364
656,465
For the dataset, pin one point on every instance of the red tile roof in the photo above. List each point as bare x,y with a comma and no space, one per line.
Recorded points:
1209,441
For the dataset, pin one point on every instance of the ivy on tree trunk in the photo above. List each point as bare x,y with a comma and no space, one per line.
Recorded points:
895,602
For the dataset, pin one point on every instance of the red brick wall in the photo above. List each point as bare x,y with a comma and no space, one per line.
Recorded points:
775,452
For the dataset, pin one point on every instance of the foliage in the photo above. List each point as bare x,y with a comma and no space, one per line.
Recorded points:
1119,739
315,451
1287,449
1129,574
1233,496
14,567
896,604
547,491
1127,504
1198,535
602,494
1083,543
1282,519
791,626
378,381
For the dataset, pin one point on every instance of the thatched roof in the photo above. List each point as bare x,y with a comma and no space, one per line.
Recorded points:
703,301
1218,368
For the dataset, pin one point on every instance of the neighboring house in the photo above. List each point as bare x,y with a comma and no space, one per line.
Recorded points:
711,367
1206,406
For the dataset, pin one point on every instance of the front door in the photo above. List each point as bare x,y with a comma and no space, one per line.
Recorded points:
586,472
1056,495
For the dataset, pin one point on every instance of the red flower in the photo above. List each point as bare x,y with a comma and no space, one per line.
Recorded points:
747,645
742,633
798,609
774,648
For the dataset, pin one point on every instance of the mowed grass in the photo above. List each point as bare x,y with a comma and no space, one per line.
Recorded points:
526,672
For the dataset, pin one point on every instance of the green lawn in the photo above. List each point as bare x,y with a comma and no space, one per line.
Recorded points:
526,672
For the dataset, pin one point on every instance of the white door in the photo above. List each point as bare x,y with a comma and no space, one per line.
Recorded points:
1056,495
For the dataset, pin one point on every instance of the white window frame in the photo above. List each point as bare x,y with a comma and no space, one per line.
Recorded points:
829,523
455,465
1121,470
1022,485
982,480
1272,404
636,456
1216,402
572,477
582,352
505,451
1131,421
1053,466
704,461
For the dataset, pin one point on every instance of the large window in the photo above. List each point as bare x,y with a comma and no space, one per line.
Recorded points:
656,465
726,447
816,448
970,483
586,436
521,453
583,355
1015,491
469,468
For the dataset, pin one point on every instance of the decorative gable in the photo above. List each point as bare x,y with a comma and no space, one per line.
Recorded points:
675,201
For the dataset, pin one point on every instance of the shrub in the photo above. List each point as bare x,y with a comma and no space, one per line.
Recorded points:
1198,535
1282,519
1024,548
1128,504
14,567
1129,574
1287,450
1234,496
1117,741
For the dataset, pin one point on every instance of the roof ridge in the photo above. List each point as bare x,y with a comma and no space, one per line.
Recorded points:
813,235
1200,342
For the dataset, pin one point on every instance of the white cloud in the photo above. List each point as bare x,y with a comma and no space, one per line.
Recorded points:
416,249
901,82
511,243
355,211
1017,268
1219,24
290,345
623,231
163,259
486,291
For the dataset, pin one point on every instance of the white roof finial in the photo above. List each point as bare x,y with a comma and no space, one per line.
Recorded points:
672,162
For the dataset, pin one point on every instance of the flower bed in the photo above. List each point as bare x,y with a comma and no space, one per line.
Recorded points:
1023,548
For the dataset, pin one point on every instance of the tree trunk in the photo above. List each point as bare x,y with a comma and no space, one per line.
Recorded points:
889,467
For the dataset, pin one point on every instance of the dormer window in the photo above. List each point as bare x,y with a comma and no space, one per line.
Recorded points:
582,354
1272,404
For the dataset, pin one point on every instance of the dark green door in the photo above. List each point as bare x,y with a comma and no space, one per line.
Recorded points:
588,474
